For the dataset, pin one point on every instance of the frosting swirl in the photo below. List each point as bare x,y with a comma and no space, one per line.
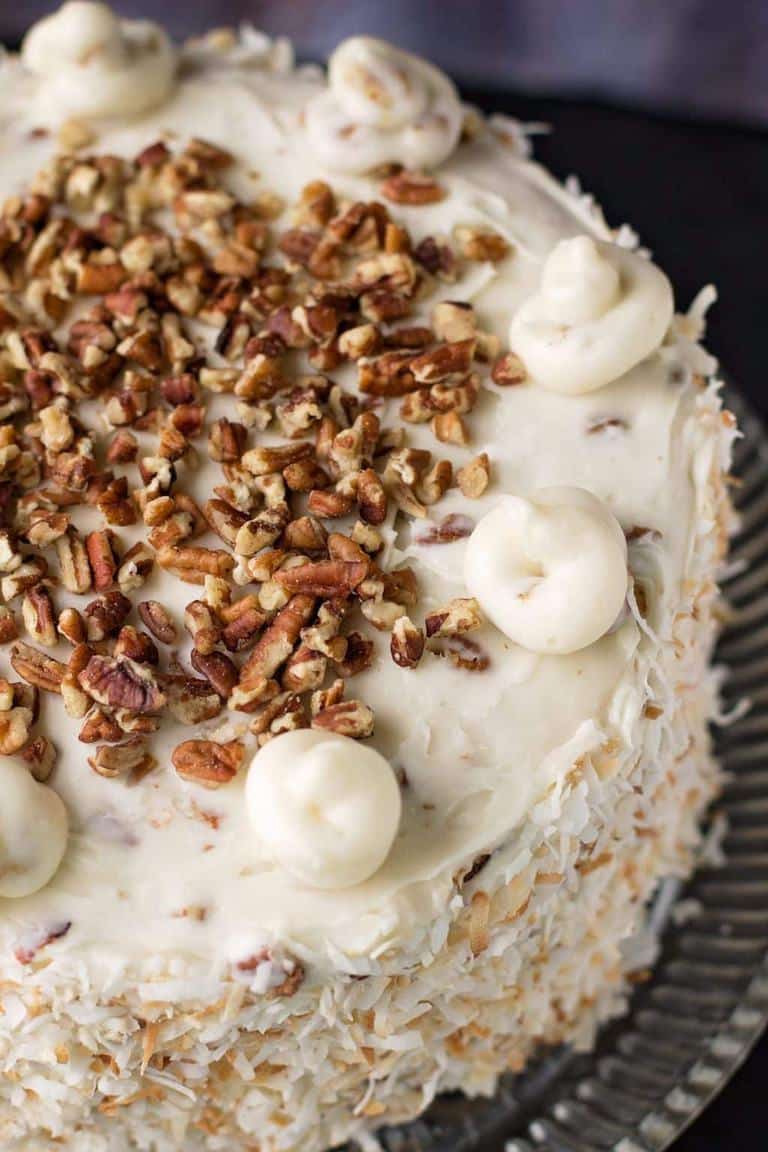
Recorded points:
324,807
92,64
382,106
599,311
549,571
33,830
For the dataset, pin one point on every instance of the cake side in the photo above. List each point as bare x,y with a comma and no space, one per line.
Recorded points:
173,980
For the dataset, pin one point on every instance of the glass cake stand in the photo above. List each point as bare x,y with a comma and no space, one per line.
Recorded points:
695,1021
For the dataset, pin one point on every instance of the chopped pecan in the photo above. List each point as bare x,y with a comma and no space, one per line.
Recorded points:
263,461
74,568
358,655
329,505
509,370
206,763
347,718
15,725
449,428
226,440
482,244
371,497
38,614
193,564
387,375
225,520
105,615
326,578
407,644
36,668
218,669
273,648
412,188
24,577
305,670
136,565
158,619
454,320
240,633
201,623
40,756
474,477
443,362
101,557
99,725
71,626
449,530
191,701
8,629
119,759
304,475
121,684
136,645
458,616
262,530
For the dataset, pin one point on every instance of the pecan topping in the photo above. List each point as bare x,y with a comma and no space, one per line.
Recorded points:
206,763
158,620
36,668
407,644
121,684
412,188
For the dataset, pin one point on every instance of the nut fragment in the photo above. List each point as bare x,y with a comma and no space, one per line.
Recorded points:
15,726
36,668
38,614
407,644
459,615
121,684
347,718
206,763
158,620
473,478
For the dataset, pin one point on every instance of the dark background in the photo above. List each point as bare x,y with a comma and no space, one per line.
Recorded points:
665,121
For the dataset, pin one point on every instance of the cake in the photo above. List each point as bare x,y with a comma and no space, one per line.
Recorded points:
363,499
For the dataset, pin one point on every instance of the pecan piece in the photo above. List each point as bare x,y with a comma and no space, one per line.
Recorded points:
509,370
329,505
407,644
273,648
206,763
326,578
218,669
40,755
121,684
36,668
371,497
347,718
106,615
136,566
474,477
459,615
15,725
38,615
482,244
263,461
119,759
136,645
74,567
412,188
191,701
158,620
193,564
443,362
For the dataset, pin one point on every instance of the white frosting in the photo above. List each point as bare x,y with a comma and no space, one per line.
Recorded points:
382,106
477,750
90,63
549,571
599,310
324,807
33,830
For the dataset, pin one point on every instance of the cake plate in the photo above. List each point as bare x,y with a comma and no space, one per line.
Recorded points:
695,1021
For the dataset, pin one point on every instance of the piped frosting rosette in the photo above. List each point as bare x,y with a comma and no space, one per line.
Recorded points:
382,106
91,64
600,309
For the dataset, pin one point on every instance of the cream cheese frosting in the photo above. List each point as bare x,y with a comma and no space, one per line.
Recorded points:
324,807
598,311
33,830
551,570
90,63
478,750
382,106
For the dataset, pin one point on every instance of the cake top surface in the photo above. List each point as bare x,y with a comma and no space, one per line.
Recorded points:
425,399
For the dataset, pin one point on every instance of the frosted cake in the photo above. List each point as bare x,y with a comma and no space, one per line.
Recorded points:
362,501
